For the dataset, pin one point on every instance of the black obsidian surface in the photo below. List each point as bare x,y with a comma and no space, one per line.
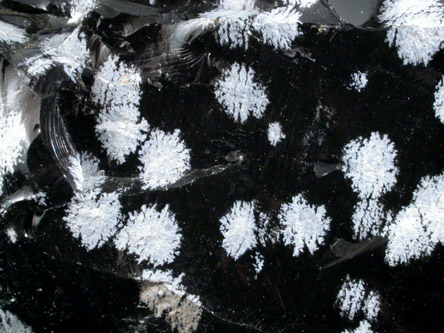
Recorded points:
51,282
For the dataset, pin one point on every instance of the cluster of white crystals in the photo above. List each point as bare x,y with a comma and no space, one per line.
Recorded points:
9,323
19,112
438,105
117,89
159,276
151,235
233,20
372,305
302,3
10,34
359,81
164,294
237,4
236,21
241,96
279,27
79,9
353,298
368,218
12,235
416,28
304,225
238,229
165,159
370,164
419,226
364,327
93,216
275,133
69,50
258,263
11,131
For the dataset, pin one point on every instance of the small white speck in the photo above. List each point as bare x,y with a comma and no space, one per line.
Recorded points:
258,263
12,235
359,81
275,133
438,105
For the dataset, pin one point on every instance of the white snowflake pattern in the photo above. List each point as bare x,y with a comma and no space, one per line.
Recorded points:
301,3
93,216
69,50
117,89
238,229
79,9
19,112
165,159
416,28
372,305
9,323
241,96
275,134
353,299
279,27
304,225
364,327
258,263
370,164
368,218
438,105
10,34
419,226
359,81
151,235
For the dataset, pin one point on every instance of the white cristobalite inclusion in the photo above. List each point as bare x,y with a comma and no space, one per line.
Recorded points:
238,229
165,159
117,89
353,299
416,28
301,3
237,20
438,105
69,50
370,164
9,323
233,19
164,294
419,226
275,133
79,9
241,96
93,216
151,235
364,327
19,112
10,34
359,81
279,27
372,306
368,218
304,225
